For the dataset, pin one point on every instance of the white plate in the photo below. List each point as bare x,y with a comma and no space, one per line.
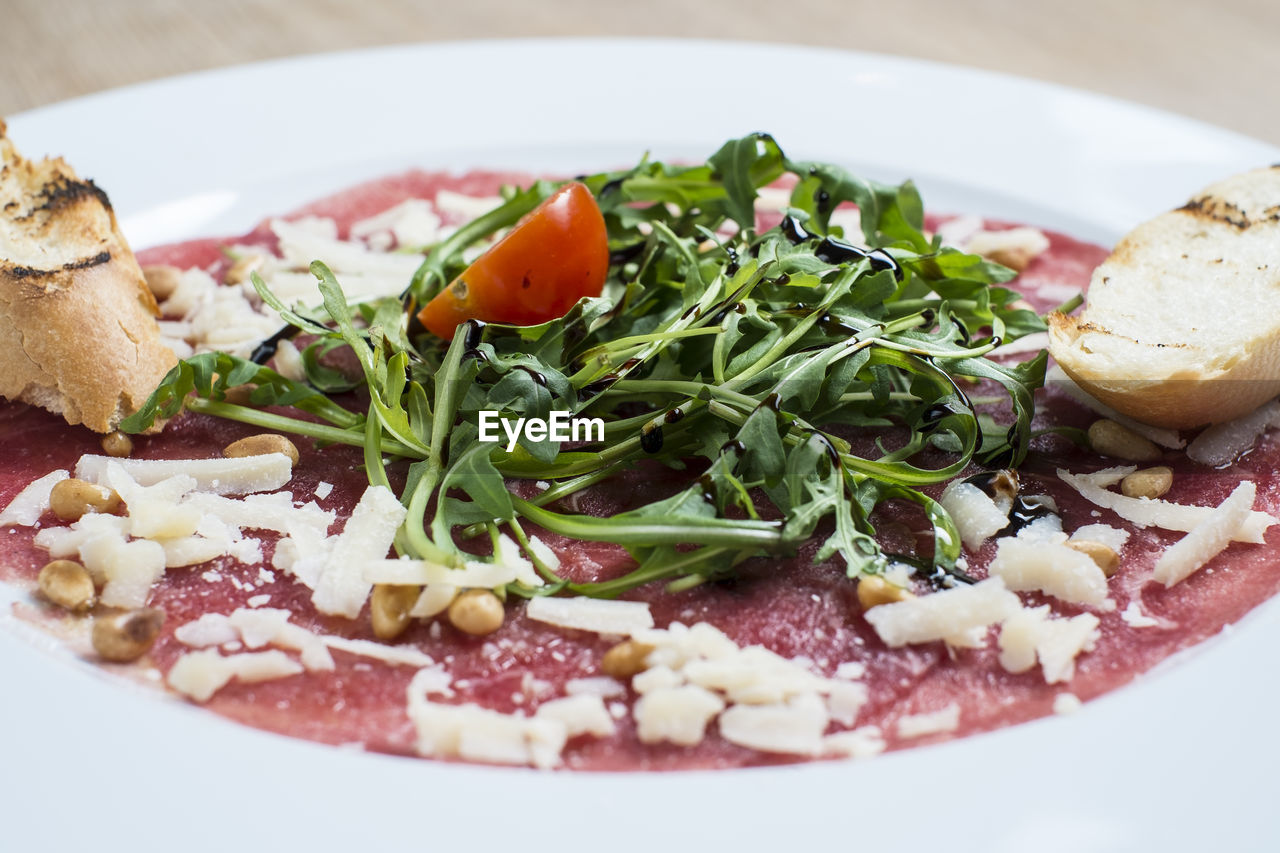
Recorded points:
1175,762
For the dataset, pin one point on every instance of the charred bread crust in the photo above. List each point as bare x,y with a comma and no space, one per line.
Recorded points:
77,320
1181,327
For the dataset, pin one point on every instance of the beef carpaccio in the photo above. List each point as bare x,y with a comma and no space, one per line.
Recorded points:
799,609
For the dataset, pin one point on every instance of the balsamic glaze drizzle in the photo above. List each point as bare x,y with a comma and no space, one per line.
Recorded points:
263,352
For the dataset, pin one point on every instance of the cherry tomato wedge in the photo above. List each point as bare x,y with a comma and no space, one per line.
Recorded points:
553,257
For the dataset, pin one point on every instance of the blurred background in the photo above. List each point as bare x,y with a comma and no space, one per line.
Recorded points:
1217,61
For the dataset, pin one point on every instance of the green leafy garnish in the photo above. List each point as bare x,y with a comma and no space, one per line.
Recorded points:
798,376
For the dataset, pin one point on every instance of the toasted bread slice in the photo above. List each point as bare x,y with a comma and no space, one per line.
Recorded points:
1181,327
77,321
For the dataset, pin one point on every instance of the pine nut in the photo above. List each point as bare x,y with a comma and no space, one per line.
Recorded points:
874,590
257,445
124,637
117,444
244,265
1111,439
389,609
1004,486
477,612
1148,482
626,659
71,499
67,584
1107,559
162,281
239,395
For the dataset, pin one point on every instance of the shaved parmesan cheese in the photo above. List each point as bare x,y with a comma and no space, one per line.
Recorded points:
1061,641
211,629
1146,512
264,512
465,206
1050,567
755,675
1113,537
341,588
1013,247
300,244
238,476
264,625
944,614
678,643
412,222
1219,527
975,514
656,678
32,502
302,554
130,568
932,723
479,734
1066,703
430,680
66,541
676,714
695,673
434,599
795,728
581,714
1032,634
1046,528
851,670
191,550
155,511
1220,444
202,674
844,700
398,655
602,686
591,614
543,552
859,743
1134,617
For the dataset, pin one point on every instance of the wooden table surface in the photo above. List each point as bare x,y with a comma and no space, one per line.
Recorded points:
1218,61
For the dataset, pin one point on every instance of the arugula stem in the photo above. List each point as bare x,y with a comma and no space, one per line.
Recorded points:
281,423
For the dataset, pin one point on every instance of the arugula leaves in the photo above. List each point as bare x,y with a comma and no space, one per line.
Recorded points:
800,376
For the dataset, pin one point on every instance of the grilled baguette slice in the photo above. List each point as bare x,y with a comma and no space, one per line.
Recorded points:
77,321
1182,323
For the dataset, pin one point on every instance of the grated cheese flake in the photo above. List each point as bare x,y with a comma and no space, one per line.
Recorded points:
591,614
794,727
930,723
341,588
1033,634
201,674
1050,567
1209,538
237,476
974,513
33,501
1148,512
676,714
943,615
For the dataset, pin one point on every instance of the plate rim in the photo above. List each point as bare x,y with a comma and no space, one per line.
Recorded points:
1005,750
